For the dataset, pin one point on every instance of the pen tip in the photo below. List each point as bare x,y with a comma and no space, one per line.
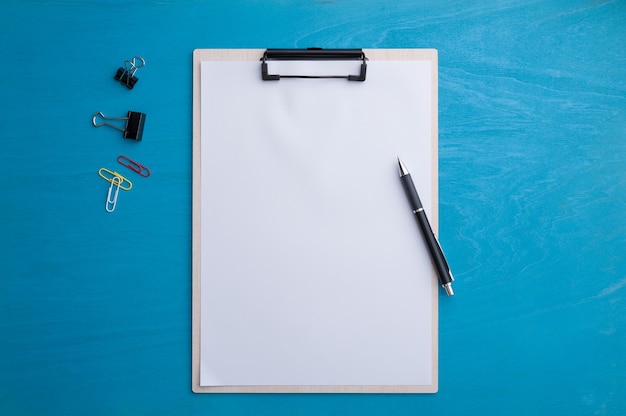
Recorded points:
403,170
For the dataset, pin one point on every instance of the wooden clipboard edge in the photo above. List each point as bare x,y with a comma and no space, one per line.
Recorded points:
200,55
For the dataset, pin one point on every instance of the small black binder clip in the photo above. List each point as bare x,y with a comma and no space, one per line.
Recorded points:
134,124
126,75
313,54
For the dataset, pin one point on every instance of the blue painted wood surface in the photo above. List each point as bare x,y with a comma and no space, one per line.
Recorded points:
95,307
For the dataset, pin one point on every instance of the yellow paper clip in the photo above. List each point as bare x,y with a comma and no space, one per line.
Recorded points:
111,203
108,175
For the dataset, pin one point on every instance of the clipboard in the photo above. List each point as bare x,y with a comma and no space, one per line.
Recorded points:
309,273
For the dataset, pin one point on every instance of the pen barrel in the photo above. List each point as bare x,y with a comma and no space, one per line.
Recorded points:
436,253
411,192
434,248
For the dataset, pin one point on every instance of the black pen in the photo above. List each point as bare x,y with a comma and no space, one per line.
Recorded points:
436,254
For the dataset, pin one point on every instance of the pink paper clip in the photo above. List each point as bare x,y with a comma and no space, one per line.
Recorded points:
134,166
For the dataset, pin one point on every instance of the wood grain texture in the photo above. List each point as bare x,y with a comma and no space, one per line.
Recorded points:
532,129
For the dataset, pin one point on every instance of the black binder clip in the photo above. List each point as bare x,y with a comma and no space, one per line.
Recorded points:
134,124
313,54
126,75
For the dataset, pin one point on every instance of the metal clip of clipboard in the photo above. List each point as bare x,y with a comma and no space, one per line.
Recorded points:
313,54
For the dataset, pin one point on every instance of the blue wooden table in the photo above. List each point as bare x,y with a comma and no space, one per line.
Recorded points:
95,307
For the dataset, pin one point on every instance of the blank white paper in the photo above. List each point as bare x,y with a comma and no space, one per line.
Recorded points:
314,271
